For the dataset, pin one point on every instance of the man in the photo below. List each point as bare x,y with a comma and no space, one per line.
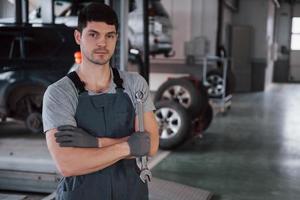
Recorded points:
90,118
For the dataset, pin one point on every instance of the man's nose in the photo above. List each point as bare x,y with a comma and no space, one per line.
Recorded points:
101,41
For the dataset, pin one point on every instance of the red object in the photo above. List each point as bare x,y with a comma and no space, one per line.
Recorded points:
77,57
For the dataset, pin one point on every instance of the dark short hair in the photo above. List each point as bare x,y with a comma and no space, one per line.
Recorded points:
98,12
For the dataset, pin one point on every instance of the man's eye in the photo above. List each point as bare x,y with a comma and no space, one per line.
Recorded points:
92,35
111,36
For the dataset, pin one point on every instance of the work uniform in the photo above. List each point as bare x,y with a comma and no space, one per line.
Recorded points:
102,115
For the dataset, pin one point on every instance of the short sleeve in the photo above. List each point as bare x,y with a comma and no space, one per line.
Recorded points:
140,84
58,109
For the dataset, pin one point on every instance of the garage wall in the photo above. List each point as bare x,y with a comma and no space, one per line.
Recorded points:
282,37
204,21
260,16
270,43
226,23
190,18
180,14
283,26
7,9
254,13
295,55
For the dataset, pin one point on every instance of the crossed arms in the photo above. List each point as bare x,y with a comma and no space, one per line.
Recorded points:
73,161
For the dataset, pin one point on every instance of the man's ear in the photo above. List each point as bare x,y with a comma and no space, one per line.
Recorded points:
77,36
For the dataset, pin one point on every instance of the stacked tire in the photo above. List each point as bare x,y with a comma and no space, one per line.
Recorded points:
215,86
181,103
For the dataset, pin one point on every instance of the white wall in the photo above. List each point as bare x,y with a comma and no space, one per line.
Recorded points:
283,26
226,21
190,18
197,15
180,15
210,23
260,15
254,13
204,21
270,42
7,9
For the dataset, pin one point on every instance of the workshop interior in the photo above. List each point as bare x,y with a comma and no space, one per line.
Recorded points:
223,76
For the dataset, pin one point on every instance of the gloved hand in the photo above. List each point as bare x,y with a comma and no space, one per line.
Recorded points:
139,144
71,136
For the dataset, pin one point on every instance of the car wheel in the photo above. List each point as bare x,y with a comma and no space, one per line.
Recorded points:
183,91
29,109
215,87
204,121
174,124
34,122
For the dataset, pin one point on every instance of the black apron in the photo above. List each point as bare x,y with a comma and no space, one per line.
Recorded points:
105,115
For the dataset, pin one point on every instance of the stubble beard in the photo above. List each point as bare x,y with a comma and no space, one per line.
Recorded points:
95,61
98,61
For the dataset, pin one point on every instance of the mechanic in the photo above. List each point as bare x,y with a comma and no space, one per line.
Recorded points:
90,119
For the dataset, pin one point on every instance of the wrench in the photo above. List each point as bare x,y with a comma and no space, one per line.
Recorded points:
145,174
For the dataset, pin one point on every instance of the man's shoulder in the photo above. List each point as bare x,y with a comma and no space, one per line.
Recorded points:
131,78
63,86
64,82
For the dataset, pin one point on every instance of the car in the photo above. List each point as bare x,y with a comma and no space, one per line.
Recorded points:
160,26
160,29
31,58
34,55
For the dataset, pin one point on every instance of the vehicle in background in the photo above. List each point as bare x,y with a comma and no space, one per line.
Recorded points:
31,58
34,55
160,29
160,26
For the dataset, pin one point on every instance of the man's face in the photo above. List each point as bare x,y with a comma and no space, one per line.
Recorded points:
97,42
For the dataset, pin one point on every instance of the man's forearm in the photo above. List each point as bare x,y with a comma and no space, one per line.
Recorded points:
76,161
151,127
102,158
105,141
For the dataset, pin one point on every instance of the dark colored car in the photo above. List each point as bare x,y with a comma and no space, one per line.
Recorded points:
160,26
32,56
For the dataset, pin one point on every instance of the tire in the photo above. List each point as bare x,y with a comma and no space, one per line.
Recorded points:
203,102
215,86
183,91
174,124
29,109
204,120
34,122
207,117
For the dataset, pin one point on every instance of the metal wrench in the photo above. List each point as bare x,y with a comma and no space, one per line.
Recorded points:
145,174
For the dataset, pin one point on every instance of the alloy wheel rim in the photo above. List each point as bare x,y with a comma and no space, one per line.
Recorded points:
169,122
215,86
179,94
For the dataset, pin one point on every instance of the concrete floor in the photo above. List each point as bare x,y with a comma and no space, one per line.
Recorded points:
252,153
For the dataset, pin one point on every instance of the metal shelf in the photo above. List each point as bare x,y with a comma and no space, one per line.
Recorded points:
224,102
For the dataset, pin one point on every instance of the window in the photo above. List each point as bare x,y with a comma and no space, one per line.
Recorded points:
295,41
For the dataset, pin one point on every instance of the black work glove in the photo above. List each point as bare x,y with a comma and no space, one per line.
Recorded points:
139,144
71,136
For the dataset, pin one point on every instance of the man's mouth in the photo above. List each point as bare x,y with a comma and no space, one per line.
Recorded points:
101,52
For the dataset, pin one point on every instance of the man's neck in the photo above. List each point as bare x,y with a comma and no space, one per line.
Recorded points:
97,78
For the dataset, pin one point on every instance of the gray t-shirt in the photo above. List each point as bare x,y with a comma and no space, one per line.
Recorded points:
61,99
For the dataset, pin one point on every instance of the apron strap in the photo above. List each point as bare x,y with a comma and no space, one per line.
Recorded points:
77,82
80,85
117,79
